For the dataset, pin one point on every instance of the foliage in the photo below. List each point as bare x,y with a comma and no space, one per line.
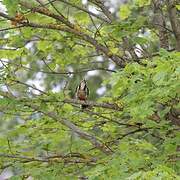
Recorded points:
129,131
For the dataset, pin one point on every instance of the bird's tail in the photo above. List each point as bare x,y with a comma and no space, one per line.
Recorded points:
84,106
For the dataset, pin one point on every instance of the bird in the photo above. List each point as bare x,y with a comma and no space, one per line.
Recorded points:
82,92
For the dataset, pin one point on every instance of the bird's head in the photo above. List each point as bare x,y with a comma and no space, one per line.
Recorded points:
83,83
83,80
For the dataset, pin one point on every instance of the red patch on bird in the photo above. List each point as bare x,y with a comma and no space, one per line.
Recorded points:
82,95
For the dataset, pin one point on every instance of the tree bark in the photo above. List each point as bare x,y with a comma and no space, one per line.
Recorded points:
160,24
175,22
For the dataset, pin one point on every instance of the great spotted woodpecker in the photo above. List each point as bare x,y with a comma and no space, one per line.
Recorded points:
82,92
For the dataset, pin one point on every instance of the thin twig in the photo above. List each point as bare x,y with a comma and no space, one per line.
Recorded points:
96,142
68,27
10,28
59,73
85,10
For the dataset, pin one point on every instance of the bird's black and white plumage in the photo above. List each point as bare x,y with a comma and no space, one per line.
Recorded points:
82,92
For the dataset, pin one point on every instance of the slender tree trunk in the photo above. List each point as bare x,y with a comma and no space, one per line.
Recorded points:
160,24
175,22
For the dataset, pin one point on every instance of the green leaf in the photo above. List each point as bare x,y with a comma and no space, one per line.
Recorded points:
159,78
124,11
67,107
43,45
142,3
12,6
82,18
178,7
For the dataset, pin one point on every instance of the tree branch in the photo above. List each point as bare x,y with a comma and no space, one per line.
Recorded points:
55,72
72,101
82,134
94,104
175,22
127,134
28,159
104,9
86,11
160,24
67,27
68,158
9,28
52,4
